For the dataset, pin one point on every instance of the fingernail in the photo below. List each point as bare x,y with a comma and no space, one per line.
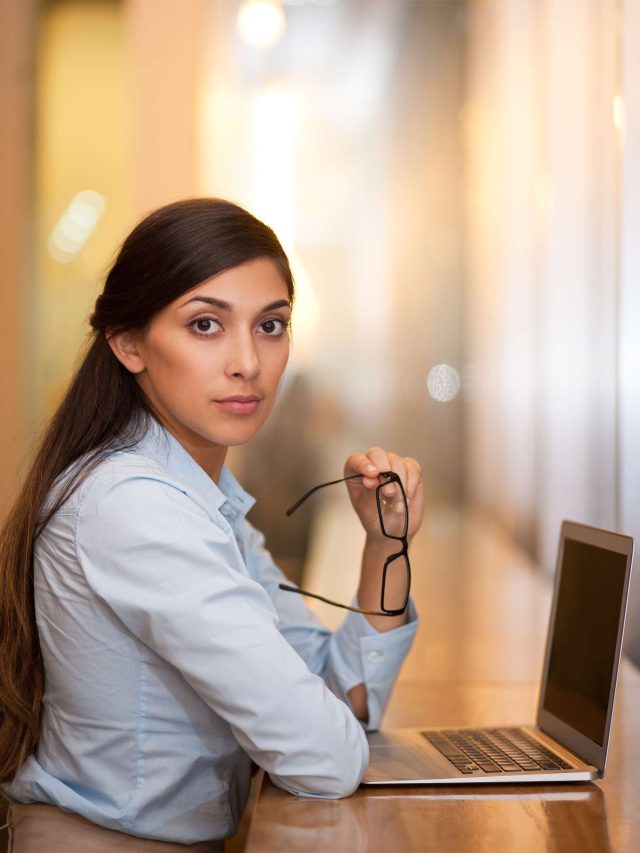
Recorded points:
399,506
371,468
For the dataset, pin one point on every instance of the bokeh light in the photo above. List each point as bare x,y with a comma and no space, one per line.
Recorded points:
76,225
443,382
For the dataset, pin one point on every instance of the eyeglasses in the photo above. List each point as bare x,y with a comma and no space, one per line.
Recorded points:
393,513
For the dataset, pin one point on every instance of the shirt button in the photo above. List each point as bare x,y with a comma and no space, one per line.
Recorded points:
372,656
225,509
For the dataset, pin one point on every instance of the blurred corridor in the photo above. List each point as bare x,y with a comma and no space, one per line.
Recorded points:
457,186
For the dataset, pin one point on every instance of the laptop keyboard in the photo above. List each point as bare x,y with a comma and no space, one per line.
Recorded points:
509,750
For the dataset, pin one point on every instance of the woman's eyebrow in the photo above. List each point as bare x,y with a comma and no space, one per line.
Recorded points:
226,306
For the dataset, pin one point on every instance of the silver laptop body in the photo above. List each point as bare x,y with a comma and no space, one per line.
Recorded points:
577,688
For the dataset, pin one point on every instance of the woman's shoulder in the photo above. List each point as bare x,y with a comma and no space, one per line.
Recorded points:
130,469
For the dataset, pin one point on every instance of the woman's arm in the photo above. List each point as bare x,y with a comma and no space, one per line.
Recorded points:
174,578
360,661
373,556
378,547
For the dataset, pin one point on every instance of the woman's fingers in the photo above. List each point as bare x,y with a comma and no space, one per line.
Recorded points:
414,476
391,491
361,463
369,464
376,460
379,457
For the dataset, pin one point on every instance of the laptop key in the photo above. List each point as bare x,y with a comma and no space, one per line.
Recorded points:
527,765
466,766
489,766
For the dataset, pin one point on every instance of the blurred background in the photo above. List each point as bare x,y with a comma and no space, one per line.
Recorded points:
457,184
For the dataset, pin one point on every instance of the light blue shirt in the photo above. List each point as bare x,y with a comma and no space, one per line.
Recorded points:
172,659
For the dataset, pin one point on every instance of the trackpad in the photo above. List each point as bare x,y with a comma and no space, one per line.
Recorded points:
397,763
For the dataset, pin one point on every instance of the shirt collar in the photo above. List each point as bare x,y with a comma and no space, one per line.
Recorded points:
227,494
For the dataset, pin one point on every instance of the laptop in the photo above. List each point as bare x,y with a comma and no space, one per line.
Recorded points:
569,741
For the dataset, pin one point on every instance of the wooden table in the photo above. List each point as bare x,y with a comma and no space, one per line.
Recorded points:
476,661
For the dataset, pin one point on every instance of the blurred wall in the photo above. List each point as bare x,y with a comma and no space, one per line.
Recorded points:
17,57
551,324
542,150
426,241
629,304
165,44
82,144
116,114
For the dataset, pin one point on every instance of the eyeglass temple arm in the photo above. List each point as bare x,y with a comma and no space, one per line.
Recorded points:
301,500
289,588
294,507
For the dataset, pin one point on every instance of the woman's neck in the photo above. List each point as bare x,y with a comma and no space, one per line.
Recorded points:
209,456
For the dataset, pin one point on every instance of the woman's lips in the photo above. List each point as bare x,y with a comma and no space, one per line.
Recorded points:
240,406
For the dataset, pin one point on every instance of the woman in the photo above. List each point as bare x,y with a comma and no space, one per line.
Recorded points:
147,652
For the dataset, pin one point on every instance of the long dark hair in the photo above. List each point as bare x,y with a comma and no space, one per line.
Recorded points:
169,252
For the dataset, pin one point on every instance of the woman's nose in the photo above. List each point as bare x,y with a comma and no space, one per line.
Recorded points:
243,360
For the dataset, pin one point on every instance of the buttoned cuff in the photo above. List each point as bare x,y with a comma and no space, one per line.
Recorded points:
360,654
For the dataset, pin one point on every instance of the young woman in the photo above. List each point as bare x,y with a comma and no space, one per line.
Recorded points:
148,654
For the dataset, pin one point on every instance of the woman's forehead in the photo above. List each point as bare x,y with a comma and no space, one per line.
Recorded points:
256,282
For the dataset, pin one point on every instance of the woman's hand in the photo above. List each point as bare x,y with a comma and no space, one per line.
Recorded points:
363,491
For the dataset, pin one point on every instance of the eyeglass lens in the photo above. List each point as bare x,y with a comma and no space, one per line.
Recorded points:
393,514
396,584
394,521
392,509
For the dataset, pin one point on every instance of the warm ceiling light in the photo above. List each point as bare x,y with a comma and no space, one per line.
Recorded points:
261,23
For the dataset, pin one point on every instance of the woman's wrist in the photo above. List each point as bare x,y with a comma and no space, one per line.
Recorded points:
378,542
374,555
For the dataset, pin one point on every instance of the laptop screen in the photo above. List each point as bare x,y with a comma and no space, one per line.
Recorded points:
585,633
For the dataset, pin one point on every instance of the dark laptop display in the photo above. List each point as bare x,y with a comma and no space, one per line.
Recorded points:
583,645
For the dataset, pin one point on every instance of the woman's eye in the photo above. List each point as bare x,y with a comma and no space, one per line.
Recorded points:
273,328
205,326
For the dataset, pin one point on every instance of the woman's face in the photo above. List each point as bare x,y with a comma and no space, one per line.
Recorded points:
213,359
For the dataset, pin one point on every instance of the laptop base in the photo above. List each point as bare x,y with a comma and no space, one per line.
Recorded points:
407,757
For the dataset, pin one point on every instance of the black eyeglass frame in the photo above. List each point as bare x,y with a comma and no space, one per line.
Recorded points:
390,477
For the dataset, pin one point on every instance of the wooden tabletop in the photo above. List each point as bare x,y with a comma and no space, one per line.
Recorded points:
476,661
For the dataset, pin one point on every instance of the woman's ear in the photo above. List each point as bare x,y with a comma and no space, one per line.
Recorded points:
127,348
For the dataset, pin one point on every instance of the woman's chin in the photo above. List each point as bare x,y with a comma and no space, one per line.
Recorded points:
235,436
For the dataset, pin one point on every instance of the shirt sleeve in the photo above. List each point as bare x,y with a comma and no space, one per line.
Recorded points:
165,568
354,654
